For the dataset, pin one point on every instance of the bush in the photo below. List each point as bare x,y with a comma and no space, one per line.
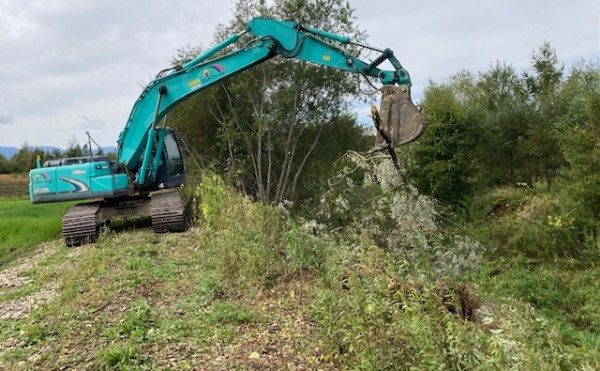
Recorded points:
253,241
524,221
369,199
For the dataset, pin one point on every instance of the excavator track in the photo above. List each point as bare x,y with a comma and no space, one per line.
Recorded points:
168,213
80,224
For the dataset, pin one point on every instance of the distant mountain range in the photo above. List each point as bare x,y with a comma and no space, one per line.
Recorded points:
9,152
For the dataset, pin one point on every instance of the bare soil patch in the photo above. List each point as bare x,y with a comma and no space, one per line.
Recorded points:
14,277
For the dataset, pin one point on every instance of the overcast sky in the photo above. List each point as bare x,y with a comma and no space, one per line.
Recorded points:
70,66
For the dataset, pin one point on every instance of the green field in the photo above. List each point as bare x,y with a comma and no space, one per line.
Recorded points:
23,226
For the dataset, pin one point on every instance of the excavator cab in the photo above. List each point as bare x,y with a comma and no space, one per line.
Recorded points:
399,121
171,172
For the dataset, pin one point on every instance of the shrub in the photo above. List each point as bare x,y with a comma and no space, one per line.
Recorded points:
253,241
369,199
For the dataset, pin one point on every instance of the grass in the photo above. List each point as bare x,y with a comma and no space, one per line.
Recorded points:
537,261
565,292
23,226
18,293
249,289
139,305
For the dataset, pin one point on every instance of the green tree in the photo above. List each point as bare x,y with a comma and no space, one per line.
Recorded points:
55,153
541,148
511,120
264,126
442,159
277,112
4,165
579,138
496,106
339,136
25,159
547,72
22,160
73,148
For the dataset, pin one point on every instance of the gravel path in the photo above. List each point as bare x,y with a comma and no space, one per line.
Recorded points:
15,277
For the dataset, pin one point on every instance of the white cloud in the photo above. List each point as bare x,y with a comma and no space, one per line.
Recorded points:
60,58
90,123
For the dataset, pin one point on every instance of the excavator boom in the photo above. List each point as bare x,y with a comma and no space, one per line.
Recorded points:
271,38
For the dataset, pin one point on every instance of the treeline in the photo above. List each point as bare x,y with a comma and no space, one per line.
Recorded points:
538,130
277,130
504,127
25,158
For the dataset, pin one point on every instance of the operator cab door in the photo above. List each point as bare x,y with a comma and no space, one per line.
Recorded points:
171,172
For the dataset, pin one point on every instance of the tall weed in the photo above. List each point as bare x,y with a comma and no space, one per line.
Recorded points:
252,240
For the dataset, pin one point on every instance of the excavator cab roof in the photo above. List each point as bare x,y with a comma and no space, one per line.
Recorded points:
73,160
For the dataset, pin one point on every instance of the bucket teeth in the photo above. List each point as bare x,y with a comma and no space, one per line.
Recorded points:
398,121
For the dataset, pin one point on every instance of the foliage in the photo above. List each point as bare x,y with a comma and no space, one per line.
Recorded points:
375,308
4,165
74,148
579,137
560,218
133,328
266,246
251,287
386,320
479,254
369,198
558,290
136,322
537,130
276,129
26,157
442,162
120,356
524,221
498,128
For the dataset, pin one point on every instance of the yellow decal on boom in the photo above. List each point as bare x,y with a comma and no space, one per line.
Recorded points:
326,57
193,83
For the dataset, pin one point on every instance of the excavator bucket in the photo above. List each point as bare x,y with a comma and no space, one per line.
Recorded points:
399,121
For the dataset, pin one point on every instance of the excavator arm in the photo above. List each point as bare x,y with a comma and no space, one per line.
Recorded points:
140,144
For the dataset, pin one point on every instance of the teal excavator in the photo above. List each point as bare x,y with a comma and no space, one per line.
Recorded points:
149,158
